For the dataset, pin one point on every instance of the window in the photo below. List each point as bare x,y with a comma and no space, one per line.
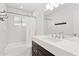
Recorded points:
24,19
17,20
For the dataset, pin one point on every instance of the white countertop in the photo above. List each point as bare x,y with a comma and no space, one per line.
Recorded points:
64,47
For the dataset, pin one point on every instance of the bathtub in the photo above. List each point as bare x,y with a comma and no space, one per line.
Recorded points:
18,49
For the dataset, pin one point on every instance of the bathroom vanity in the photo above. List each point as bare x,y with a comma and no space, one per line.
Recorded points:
57,47
37,50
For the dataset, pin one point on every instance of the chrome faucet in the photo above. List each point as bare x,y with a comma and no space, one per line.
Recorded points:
59,35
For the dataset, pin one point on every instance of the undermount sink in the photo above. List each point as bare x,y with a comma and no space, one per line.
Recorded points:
50,38
56,39
74,39
65,46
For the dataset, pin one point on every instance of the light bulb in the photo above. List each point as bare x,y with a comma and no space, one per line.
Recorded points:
48,6
51,8
56,5
61,2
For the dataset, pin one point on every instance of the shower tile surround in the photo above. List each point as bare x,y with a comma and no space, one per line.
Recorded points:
16,40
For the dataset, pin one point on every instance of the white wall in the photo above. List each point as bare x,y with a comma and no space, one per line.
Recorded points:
76,22
63,13
3,37
2,7
3,32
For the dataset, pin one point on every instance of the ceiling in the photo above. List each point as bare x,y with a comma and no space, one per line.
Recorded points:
30,7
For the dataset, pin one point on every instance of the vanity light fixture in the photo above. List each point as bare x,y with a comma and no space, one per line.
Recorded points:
48,6
62,23
56,5
53,4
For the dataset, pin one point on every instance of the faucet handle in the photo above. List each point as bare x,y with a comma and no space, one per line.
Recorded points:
61,35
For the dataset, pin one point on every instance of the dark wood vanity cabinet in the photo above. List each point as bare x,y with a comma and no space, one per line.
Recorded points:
37,50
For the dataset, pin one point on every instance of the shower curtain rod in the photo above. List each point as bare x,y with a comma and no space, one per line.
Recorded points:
20,14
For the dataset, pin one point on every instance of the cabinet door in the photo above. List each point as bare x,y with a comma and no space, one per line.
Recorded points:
37,50
34,49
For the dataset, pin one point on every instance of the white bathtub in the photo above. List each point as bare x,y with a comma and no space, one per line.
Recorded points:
18,49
